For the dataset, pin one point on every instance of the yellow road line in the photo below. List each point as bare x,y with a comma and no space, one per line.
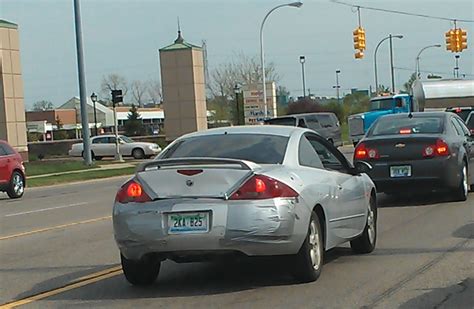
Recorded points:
54,228
95,277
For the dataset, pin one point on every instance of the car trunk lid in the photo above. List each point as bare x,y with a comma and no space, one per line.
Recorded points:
397,148
194,177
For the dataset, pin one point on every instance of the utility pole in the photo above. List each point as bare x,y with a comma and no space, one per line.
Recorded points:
391,64
82,84
302,61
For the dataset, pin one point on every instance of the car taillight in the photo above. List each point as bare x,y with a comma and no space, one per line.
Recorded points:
130,192
440,148
263,187
362,152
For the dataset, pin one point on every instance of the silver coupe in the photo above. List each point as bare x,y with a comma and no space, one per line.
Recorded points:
251,191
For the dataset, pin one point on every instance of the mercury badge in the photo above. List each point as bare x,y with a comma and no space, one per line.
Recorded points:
189,182
400,145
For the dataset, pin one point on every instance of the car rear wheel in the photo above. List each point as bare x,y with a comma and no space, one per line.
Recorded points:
138,153
308,262
16,188
142,272
460,193
365,243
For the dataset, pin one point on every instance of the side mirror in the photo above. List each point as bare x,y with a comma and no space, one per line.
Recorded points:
362,167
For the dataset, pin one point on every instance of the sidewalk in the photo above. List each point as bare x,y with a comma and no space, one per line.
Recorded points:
104,167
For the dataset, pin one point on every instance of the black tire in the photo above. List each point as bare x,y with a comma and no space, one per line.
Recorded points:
305,267
461,191
16,187
97,158
143,272
366,242
93,157
138,153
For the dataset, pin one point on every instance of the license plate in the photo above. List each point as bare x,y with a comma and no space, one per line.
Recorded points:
181,223
400,171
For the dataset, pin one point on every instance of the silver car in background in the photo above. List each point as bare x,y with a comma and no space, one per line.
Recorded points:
252,191
104,146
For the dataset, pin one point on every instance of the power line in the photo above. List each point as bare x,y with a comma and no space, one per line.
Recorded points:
402,12
424,71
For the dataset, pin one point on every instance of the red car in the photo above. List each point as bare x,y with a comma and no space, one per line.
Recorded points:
12,171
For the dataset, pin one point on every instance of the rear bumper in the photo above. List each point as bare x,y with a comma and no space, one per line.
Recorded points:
428,174
269,227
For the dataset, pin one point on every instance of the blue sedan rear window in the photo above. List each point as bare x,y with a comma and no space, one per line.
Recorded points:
258,148
396,125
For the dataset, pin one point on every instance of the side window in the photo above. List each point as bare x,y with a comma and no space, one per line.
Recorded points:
99,140
457,127
326,121
328,158
301,123
307,155
313,122
7,149
470,122
111,140
464,129
2,151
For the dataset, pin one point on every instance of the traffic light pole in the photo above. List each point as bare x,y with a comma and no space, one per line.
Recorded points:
82,85
118,156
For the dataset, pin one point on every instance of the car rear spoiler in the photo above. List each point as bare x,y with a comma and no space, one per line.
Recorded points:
164,163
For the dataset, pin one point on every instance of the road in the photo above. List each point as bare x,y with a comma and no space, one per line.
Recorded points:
57,243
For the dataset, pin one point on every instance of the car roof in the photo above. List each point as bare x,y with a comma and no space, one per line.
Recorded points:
418,115
256,129
302,114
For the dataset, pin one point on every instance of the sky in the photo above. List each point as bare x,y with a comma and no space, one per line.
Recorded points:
123,37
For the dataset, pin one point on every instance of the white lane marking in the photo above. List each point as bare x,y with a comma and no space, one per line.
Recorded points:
45,209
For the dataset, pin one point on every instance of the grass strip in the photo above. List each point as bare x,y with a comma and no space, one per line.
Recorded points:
75,177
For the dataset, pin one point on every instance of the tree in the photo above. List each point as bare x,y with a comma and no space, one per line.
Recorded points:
134,125
59,134
242,70
43,105
139,92
113,82
304,105
409,83
154,91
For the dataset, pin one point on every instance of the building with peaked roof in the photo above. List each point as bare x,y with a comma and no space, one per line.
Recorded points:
183,83
12,107
105,116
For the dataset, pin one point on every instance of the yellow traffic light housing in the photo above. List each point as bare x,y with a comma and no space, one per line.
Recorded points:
456,40
462,39
450,40
359,42
359,54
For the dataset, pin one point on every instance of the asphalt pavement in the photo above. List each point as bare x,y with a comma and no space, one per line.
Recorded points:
57,250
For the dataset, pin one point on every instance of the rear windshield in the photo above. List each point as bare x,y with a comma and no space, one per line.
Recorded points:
258,148
470,123
463,113
289,121
396,125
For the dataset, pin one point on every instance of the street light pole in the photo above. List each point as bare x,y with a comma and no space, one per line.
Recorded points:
456,68
337,86
417,65
82,84
375,58
302,60
262,54
237,105
94,100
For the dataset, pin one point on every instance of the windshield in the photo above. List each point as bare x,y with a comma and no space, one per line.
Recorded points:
396,125
462,113
381,104
287,121
258,148
126,139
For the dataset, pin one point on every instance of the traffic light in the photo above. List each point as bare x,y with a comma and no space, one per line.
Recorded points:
450,40
462,39
359,42
117,96
456,40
